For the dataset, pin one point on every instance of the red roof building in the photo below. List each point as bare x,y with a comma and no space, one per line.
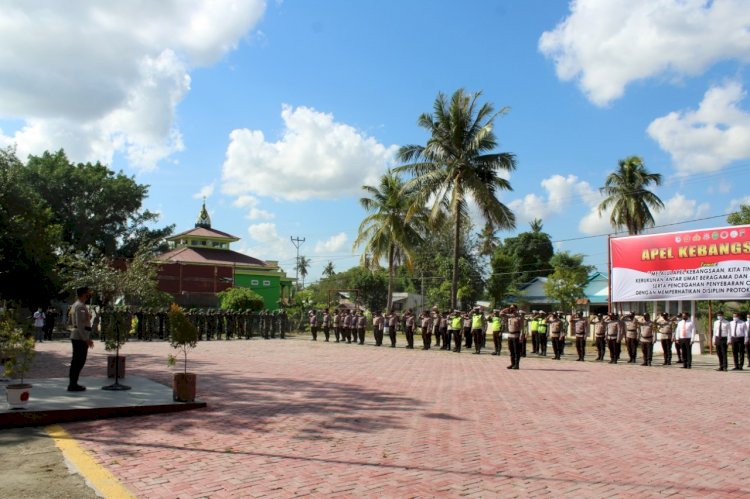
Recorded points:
202,264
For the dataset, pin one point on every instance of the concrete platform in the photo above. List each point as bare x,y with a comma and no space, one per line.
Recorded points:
51,403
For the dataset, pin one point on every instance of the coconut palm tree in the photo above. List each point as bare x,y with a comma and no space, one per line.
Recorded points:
628,195
536,225
385,231
303,266
457,165
328,270
488,241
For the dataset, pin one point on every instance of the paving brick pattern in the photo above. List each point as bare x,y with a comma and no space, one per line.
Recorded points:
293,418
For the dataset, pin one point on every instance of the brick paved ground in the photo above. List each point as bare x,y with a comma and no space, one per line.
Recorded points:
292,417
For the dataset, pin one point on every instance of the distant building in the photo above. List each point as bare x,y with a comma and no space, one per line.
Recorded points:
594,301
201,264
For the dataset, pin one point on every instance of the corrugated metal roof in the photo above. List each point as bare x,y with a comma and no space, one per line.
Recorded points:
204,232
209,256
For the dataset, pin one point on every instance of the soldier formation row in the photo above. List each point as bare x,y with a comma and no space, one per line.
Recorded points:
454,330
153,324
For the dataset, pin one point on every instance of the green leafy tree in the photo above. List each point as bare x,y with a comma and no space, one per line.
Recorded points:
385,232
433,268
531,252
28,238
503,277
240,299
372,286
626,191
141,238
134,281
457,164
741,217
568,282
93,205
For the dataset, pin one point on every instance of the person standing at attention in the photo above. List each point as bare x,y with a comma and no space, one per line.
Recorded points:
721,331
80,337
686,337
737,333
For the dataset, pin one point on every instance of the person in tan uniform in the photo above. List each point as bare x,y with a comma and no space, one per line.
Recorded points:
665,332
614,329
555,328
580,331
514,322
647,338
80,338
631,337
600,341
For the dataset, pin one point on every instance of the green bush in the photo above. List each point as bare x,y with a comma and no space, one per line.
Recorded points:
241,299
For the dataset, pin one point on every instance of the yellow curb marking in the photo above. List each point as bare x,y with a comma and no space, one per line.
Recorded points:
96,475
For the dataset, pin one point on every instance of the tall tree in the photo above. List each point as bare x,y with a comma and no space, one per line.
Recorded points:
567,283
488,241
456,165
385,231
28,238
96,208
328,270
503,277
303,266
531,251
628,195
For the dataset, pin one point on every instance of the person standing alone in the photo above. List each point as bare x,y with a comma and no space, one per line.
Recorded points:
39,325
80,338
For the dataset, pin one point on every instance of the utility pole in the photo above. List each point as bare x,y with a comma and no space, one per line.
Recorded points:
297,242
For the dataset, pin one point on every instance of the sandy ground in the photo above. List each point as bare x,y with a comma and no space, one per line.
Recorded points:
31,466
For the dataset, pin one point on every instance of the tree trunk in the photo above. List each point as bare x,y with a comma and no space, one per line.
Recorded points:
456,246
391,250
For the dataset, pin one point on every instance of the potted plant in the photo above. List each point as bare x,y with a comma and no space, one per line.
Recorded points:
116,327
17,348
184,337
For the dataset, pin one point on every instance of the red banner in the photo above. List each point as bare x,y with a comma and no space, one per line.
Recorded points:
689,265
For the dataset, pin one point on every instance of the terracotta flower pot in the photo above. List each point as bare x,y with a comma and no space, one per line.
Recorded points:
183,387
111,362
18,395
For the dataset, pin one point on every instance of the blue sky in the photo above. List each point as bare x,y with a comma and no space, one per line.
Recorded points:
278,112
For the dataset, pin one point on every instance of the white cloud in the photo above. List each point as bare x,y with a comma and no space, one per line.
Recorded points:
99,78
333,244
205,192
251,203
709,138
560,193
271,247
678,208
315,158
607,45
264,233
